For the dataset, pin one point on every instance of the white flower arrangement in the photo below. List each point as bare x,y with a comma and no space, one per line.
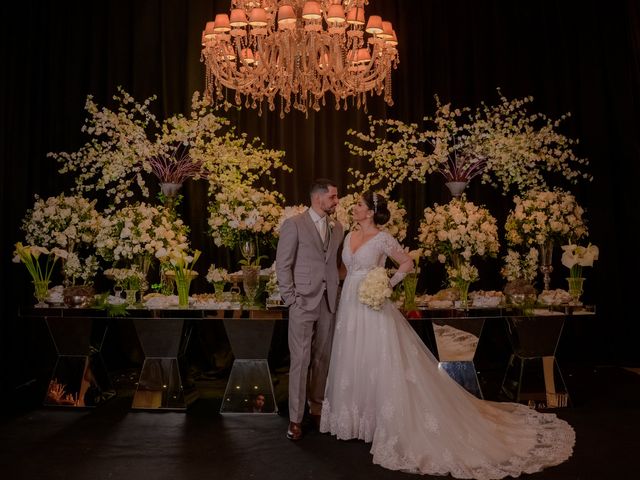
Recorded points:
574,257
503,144
66,222
520,265
374,289
463,272
396,226
141,231
30,256
217,275
543,215
128,144
241,212
458,227
76,269
127,278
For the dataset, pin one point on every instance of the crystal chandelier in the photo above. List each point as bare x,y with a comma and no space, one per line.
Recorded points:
298,50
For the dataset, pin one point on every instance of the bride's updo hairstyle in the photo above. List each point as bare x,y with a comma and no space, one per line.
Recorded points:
378,204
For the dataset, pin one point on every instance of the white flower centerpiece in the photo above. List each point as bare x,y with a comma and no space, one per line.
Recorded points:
31,256
455,232
541,218
218,277
374,289
503,144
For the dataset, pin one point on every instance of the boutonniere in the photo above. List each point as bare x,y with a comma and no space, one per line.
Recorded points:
332,223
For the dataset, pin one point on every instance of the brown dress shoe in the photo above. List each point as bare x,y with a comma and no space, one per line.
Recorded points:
295,431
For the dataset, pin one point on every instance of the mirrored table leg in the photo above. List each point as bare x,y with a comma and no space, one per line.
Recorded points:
456,343
533,375
79,378
162,379
249,388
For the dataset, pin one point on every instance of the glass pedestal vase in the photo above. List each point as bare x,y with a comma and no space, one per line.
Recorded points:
41,292
546,258
250,275
456,188
575,288
409,284
463,290
183,284
219,289
131,296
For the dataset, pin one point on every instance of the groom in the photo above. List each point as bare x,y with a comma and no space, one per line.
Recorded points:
307,270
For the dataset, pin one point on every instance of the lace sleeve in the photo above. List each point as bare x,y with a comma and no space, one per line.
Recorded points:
390,246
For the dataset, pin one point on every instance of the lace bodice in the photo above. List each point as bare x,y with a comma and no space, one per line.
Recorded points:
372,253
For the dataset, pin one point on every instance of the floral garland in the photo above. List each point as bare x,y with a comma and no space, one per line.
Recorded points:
374,289
141,231
66,222
543,215
503,144
396,226
243,213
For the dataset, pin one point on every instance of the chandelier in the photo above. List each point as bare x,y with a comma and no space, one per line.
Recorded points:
297,51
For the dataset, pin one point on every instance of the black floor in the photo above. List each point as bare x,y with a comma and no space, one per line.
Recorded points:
114,442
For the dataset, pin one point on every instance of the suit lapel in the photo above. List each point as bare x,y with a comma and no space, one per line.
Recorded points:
312,230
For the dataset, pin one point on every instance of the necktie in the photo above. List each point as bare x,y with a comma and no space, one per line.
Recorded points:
325,228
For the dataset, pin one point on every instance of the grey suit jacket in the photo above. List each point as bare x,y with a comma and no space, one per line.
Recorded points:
302,265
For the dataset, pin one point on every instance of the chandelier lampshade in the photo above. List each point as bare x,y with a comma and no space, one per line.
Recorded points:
293,52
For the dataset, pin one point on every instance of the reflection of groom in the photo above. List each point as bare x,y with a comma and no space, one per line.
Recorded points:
307,270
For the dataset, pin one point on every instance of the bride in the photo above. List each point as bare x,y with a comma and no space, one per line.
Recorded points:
384,386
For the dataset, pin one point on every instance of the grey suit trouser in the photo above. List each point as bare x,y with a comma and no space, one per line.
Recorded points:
310,339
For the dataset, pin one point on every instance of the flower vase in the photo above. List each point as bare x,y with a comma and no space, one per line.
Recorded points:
131,296
183,283
409,284
575,288
456,188
170,190
250,275
41,292
219,289
463,290
546,258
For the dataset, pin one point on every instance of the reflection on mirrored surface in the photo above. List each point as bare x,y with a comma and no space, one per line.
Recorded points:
533,375
79,378
249,389
456,342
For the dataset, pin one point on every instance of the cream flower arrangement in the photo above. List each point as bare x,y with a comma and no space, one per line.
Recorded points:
140,232
503,144
458,228
217,275
242,213
80,270
396,226
66,222
520,265
374,289
543,215
128,144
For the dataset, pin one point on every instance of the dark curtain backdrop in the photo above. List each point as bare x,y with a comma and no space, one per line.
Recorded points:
581,58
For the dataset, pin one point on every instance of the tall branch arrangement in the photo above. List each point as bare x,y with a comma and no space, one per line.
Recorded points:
503,144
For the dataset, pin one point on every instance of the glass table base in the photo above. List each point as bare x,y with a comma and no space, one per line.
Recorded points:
464,373
249,389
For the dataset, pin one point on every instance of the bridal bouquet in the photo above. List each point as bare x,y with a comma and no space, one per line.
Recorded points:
543,215
374,289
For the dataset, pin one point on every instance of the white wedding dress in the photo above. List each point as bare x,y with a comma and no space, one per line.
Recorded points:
384,387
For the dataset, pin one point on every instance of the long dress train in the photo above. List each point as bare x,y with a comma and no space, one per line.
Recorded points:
385,387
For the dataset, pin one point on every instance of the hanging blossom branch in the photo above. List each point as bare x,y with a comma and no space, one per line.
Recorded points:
503,144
